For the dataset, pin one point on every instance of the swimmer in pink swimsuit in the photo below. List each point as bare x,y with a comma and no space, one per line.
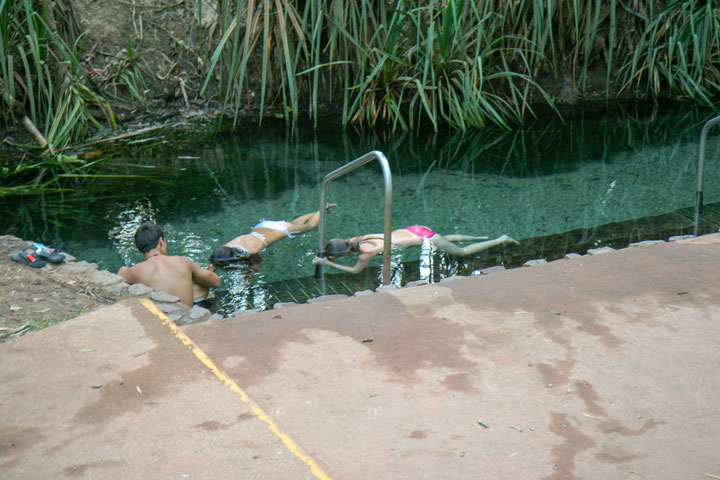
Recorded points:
420,231
369,246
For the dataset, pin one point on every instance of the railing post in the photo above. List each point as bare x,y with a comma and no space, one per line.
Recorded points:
387,228
701,170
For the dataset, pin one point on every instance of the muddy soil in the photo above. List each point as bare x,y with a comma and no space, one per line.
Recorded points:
33,298
159,41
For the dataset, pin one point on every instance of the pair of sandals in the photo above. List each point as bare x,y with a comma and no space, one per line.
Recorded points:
38,256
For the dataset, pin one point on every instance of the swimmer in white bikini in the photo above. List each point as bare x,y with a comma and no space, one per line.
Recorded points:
247,249
369,246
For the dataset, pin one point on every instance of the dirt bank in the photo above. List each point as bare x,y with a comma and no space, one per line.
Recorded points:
32,298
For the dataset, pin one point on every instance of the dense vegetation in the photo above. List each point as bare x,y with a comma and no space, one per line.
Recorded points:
441,63
462,63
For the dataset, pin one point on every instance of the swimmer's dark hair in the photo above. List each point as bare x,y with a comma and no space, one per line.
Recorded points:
338,247
147,236
225,256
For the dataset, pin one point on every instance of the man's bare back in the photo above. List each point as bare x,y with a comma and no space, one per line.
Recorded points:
176,275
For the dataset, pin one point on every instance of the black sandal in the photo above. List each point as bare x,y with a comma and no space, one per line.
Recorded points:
26,256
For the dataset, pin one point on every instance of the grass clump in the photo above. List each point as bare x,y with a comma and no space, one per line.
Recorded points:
49,321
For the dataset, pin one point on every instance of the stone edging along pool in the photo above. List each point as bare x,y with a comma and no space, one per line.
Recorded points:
72,271
485,271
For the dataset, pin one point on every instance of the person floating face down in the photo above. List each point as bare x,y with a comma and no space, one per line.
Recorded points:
246,250
176,275
368,246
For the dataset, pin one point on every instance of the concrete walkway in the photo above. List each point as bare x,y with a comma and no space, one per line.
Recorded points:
598,367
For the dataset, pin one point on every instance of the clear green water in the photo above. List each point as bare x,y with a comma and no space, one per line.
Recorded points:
595,169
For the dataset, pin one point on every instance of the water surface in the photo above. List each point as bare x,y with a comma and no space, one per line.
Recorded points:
597,168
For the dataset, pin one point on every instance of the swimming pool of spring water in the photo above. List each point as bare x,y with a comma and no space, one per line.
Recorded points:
594,180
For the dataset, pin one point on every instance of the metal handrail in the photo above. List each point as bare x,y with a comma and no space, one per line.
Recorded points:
358,162
701,170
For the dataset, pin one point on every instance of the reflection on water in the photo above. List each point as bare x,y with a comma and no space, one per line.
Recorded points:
550,177
127,221
240,292
427,261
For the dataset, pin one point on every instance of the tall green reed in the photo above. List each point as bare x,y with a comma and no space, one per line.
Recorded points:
678,51
43,82
42,75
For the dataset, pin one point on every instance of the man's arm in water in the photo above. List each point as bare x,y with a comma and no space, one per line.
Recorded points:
203,276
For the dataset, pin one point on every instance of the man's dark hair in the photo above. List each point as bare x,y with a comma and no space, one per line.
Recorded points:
147,236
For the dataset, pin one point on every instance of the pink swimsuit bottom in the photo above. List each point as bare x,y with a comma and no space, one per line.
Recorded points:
422,232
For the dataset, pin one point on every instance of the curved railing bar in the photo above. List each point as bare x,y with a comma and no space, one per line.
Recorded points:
358,162
701,170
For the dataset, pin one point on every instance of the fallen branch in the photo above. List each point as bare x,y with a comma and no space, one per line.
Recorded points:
19,111
157,7
130,134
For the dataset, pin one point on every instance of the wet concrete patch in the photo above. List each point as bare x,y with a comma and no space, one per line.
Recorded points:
114,394
581,368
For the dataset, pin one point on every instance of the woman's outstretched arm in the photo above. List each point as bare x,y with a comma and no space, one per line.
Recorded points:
363,261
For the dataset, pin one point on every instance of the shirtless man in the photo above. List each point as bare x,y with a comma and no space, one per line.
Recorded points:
175,275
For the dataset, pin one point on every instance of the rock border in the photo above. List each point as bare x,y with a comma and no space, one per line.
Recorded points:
74,271
485,271
71,270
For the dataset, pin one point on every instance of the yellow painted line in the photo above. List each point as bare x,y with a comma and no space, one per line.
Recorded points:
259,413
